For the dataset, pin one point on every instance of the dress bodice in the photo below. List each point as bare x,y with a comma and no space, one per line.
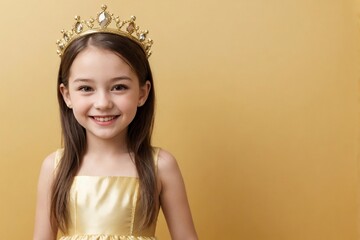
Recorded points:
106,208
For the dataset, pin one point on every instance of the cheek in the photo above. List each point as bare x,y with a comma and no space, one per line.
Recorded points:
128,106
130,99
80,107
80,104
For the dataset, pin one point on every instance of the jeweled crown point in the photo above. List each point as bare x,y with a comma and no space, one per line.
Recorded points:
101,24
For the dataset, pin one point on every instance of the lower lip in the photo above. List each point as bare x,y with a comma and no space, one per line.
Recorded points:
107,123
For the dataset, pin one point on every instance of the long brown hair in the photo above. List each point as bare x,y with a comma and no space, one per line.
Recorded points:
74,135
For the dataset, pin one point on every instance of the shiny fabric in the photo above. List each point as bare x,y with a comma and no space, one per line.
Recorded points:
106,208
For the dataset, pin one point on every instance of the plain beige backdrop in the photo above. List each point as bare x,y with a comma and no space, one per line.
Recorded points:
257,99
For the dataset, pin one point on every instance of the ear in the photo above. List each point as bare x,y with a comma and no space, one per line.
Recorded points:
144,93
65,94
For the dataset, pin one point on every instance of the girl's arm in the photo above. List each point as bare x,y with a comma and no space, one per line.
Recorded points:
173,199
42,230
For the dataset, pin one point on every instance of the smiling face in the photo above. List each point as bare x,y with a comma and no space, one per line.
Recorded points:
103,92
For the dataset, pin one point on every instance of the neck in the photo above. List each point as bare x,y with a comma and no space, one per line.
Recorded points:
114,146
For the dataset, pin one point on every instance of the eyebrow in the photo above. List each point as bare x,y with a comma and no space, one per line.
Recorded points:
112,80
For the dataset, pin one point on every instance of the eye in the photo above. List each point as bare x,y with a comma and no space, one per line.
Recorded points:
85,88
119,87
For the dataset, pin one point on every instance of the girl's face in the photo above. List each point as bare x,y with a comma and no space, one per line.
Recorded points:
104,93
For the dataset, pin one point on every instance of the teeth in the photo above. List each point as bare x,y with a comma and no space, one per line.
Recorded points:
103,119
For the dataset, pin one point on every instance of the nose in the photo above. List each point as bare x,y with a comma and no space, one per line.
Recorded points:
103,100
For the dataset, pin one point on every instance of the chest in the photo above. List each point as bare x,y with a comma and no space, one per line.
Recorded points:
106,205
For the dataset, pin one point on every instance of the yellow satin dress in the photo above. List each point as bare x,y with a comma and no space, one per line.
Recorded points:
105,208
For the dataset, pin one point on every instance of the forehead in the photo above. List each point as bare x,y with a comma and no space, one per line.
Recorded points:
98,63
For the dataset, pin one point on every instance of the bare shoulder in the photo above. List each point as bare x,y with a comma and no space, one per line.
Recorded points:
48,168
46,178
48,164
166,162
168,170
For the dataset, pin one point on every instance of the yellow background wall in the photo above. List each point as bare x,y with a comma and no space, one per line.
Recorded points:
257,99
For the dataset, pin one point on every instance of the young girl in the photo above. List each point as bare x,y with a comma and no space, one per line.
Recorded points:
108,182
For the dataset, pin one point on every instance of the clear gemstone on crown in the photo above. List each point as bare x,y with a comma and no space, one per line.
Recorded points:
66,37
78,27
142,37
104,19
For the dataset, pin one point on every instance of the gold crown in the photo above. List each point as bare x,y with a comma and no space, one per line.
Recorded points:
104,19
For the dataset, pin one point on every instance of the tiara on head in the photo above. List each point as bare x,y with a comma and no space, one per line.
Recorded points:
104,19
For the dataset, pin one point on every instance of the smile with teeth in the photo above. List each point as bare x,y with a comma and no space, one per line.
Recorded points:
104,119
